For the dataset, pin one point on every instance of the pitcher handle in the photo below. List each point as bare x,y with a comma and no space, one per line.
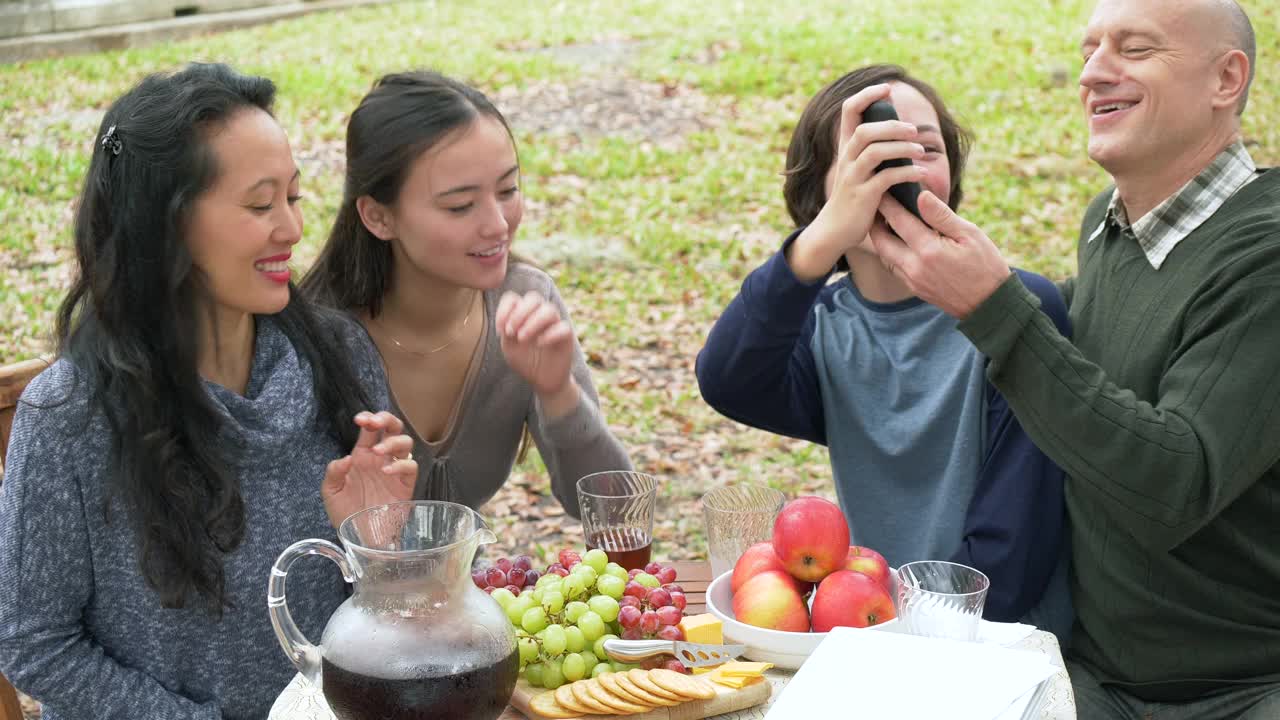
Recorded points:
303,655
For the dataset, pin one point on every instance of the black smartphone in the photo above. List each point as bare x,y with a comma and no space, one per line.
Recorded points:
907,192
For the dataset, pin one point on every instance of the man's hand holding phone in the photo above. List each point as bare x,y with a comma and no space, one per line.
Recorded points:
872,156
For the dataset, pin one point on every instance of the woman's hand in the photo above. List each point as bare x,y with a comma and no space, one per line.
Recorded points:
854,188
538,345
379,470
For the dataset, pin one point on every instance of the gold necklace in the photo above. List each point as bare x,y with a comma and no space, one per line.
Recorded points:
470,308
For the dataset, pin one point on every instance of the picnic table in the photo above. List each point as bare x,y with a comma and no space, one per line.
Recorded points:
302,701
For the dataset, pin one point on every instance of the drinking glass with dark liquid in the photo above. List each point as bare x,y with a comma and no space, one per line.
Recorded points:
417,639
617,515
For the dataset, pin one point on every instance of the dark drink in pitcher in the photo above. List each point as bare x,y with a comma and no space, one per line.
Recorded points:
629,547
478,694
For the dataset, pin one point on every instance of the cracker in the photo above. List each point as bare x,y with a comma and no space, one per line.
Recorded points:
641,678
585,699
617,704
619,684
568,701
545,705
682,685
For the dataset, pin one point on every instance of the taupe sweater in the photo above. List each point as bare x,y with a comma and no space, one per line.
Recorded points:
474,458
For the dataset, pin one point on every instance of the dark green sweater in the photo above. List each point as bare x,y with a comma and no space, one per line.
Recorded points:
1165,414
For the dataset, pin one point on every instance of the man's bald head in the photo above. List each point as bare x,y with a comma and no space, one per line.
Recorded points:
1231,30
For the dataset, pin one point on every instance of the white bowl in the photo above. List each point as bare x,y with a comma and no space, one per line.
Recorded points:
787,650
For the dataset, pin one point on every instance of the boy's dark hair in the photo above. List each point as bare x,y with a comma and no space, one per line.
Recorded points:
814,141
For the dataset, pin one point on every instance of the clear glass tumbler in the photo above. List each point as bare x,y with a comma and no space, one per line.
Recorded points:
738,516
941,599
617,515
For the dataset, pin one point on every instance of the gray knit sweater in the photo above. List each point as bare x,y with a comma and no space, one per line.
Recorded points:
79,628
476,455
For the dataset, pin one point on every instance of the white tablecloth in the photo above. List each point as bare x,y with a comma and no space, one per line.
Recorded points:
302,701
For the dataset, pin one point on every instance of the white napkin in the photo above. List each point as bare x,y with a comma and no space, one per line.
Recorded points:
1005,634
889,674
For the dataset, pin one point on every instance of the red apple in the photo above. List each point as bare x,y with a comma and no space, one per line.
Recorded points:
870,563
850,599
811,538
769,600
757,559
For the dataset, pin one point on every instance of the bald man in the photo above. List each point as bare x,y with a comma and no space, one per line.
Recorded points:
1165,413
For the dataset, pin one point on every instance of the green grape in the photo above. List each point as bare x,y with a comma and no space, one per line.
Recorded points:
545,580
589,658
604,606
534,620
554,641
646,580
596,559
600,669
598,646
617,571
573,668
533,673
572,586
592,626
504,597
552,674
618,666
535,596
517,608
574,610
611,586
552,602
528,650
574,639
587,573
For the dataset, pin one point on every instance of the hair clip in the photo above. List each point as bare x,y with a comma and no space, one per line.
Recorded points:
111,143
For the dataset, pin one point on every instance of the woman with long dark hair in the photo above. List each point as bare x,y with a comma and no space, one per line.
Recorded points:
476,342
198,420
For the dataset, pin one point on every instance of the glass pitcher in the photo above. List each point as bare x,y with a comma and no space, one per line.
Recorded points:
417,639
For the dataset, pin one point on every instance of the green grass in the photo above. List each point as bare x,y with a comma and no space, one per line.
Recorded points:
662,232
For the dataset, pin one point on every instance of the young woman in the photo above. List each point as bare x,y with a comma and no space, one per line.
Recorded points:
476,343
199,419
929,462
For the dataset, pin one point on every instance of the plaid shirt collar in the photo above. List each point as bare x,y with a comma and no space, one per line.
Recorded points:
1160,231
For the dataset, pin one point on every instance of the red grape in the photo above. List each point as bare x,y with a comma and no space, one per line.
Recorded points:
560,571
490,589
669,615
632,633
659,598
666,575
636,590
652,568
675,666
515,589
629,617
531,577
672,587
516,577
495,577
503,564
678,600
631,600
633,572
649,622
524,562
569,558
477,577
555,566
670,632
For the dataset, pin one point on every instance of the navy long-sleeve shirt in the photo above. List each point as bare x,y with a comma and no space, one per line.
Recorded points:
928,459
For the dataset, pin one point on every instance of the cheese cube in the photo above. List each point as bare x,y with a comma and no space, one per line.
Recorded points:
744,669
704,628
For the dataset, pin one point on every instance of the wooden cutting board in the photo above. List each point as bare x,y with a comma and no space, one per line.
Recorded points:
726,700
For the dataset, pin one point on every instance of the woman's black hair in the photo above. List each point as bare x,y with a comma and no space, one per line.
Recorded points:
127,326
